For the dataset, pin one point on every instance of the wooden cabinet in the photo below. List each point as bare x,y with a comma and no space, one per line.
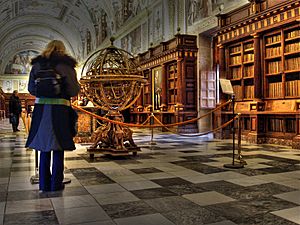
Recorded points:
260,54
171,88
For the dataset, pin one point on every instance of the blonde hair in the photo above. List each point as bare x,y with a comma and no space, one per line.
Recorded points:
54,46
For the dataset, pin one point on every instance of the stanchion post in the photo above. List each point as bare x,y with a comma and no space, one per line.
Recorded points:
35,178
233,165
151,123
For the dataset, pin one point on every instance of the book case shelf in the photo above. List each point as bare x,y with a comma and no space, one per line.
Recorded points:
172,84
169,93
282,63
259,53
241,69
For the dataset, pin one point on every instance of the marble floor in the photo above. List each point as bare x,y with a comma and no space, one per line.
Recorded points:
181,181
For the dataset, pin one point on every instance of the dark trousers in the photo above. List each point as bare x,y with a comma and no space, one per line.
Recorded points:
15,122
54,181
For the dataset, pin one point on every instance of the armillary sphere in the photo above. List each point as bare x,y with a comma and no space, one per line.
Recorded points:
113,82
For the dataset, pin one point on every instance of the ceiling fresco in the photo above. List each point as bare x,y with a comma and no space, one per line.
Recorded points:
84,25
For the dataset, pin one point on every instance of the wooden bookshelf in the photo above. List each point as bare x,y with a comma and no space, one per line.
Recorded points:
259,51
171,88
172,84
241,68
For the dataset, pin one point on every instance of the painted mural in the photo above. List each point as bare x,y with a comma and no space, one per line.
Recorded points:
7,86
200,9
132,41
20,63
156,25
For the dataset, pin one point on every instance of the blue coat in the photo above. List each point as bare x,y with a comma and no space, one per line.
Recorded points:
53,126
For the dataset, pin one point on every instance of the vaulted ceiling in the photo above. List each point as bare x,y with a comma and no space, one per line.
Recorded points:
81,24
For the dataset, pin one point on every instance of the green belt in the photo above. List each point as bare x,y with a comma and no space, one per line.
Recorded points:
53,101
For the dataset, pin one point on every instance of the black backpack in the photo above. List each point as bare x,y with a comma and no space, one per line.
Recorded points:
48,82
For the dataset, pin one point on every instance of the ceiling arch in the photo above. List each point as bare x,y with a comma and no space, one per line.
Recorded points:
83,25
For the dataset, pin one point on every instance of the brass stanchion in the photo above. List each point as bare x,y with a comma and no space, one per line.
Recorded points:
240,157
233,165
152,135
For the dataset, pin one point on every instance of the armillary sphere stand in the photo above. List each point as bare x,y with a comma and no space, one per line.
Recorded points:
113,139
113,82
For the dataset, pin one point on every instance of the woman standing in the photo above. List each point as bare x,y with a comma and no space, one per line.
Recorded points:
53,119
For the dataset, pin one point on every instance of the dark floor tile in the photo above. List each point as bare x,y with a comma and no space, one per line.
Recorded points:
189,151
198,216
266,219
153,193
72,158
279,159
199,158
88,173
281,168
146,170
26,168
171,181
173,203
242,212
251,172
128,209
23,153
245,193
186,189
269,189
199,167
31,218
96,180
23,160
25,195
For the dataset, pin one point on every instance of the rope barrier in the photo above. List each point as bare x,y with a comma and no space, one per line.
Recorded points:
202,133
149,126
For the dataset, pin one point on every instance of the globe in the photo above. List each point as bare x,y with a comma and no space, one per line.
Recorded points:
112,80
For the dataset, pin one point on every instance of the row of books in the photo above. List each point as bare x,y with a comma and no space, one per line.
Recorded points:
275,90
249,71
248,46
273,51
238,91
292,64
172,98
290,125
273,39
294,47
236,72
292,88
171,84
248,57
292,34
235,49
275,125
235,60
274,67
249,91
